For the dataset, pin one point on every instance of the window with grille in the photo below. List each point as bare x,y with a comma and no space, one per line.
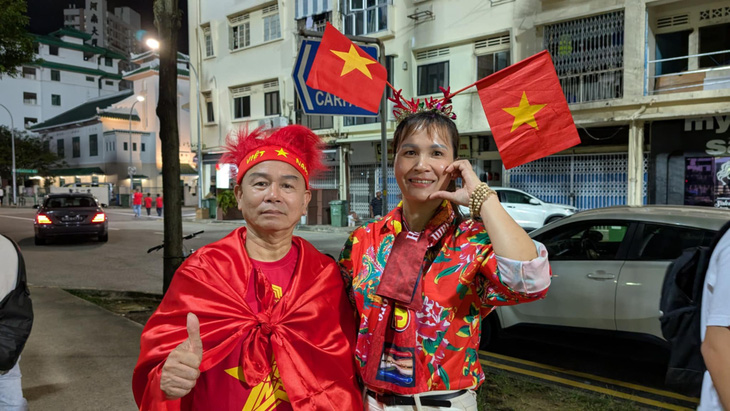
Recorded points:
272,28
93,145
29,73
240,32
108,62
241,102
366,16
432,76
271,101
208,37
491,63
209,113
715,39
29,121
56,99
30,98
55,75
53,50
588,55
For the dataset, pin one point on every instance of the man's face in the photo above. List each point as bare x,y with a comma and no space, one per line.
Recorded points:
272,197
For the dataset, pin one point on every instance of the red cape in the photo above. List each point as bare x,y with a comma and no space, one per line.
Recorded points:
312,328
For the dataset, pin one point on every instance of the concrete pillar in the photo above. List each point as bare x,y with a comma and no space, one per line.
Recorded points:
635,187
344,177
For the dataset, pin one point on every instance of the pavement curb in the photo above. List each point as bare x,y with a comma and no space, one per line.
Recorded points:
299,227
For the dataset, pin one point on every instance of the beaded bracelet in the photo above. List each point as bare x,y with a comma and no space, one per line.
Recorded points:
478,197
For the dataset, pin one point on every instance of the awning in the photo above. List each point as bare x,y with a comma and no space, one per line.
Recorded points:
188,170
306,8
88,171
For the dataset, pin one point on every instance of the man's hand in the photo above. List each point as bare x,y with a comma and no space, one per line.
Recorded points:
181,369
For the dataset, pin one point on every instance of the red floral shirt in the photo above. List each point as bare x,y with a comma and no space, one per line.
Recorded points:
462,283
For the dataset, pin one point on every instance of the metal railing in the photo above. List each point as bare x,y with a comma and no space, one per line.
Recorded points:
679,81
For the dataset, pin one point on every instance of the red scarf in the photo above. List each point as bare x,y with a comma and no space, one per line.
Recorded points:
392,357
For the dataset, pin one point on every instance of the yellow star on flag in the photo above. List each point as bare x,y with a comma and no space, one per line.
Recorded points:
354,61
524,113
281,152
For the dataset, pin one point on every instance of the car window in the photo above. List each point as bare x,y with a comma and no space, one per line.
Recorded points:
584,241
63,202
664,242
510,196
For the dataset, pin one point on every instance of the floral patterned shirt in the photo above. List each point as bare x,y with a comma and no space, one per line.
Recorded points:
462,282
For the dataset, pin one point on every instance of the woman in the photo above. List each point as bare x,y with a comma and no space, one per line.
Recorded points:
422,278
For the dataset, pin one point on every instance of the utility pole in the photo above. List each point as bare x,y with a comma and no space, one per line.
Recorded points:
167,22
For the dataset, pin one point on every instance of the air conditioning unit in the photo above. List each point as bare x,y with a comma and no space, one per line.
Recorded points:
273,122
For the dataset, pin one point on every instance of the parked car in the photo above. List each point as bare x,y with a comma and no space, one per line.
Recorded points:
70,214
527,210
608,265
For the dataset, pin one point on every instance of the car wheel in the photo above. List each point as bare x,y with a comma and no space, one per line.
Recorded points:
39,241
490,331
104,238
553,219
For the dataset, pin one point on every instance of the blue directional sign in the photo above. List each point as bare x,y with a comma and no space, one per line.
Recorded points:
316,101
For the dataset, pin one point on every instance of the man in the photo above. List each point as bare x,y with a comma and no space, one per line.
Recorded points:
137,203
16,320
2,194
715,330
148,203
259,319
376,206
158,205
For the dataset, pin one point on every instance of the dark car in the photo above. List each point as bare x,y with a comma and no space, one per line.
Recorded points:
73,214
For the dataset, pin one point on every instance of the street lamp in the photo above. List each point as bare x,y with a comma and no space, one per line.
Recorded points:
154,45
12,148
131,170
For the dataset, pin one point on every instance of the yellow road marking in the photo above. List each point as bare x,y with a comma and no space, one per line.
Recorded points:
595,377
589,387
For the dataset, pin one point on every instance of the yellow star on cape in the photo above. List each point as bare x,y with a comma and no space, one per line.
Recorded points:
281,152
354,61
524,113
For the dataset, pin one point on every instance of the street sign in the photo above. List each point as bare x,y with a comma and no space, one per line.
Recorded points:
26,170
316,101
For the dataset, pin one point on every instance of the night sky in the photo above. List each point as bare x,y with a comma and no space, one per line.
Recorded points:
46,16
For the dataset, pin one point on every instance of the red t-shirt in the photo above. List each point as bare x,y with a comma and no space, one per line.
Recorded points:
221,388
148,202
158,202
137,199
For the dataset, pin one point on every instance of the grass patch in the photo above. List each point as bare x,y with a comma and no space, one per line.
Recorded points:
138,307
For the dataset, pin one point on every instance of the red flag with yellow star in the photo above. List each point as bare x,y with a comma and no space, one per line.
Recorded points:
527,111
347,71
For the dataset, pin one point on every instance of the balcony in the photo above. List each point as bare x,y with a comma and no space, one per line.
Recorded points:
672,75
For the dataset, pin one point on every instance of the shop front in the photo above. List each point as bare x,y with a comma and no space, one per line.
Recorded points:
691,161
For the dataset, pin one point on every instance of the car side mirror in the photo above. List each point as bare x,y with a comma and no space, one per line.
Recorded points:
36,206
534,201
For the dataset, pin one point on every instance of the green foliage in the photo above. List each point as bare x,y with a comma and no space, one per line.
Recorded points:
30,152
227,200
16,45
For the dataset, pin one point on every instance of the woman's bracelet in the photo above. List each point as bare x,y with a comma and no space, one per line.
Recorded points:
478,197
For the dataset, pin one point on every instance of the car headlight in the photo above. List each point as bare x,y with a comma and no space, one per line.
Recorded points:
571,210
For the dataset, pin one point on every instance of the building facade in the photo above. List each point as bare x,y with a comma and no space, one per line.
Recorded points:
67,72
643,79
114,29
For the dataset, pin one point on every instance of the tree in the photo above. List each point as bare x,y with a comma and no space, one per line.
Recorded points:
30,152
16,45
167,22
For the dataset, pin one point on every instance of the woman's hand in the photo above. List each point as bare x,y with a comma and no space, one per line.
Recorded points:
459,169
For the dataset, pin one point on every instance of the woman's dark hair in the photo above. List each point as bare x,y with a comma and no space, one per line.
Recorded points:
430,121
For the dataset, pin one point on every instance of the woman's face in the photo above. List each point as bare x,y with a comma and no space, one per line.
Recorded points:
420,162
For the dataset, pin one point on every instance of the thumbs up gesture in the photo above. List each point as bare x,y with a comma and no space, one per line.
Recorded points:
181,369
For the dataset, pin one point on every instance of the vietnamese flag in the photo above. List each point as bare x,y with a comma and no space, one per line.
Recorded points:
345,70
527,111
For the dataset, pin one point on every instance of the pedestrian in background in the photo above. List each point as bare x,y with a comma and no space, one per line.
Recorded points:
715,330
148,203
137,202
16,320
2,194
376,205
158,204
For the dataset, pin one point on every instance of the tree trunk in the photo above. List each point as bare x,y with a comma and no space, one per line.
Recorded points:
167,22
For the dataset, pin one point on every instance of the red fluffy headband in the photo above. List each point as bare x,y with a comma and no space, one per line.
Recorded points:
295,145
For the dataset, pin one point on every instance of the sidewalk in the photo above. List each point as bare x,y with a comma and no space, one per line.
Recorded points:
78,356
300,227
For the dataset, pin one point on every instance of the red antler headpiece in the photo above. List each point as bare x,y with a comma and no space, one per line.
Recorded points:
295,145
404,108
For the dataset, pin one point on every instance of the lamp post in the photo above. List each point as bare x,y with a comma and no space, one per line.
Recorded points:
154,45
131,170
12,149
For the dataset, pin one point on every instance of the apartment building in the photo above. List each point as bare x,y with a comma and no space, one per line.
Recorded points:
114,29
647,82
67,72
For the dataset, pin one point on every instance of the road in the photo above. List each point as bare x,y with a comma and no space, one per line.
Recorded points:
122,264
